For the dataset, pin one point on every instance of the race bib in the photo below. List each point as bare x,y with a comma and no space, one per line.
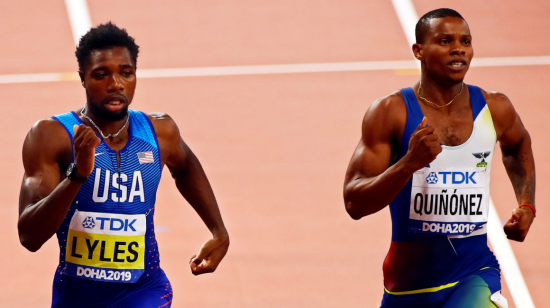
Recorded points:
106,247
448,201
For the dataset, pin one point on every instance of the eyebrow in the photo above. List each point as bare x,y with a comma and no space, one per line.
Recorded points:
106,68
100,68
450,34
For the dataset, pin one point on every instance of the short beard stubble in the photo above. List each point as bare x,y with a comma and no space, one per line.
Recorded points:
107,116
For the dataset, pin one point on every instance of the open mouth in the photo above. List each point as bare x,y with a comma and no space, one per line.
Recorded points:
115,104
457,65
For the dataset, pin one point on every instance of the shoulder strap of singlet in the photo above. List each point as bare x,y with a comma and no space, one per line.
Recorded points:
414,117
477,100
142,128
415,114
68,120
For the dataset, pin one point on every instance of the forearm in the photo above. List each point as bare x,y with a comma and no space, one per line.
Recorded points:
367,195
520,166
40,220
195,188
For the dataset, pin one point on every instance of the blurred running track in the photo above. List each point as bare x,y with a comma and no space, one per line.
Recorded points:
275,146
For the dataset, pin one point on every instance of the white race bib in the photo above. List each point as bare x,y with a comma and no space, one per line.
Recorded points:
448,201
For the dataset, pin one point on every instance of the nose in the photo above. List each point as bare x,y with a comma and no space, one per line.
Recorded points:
115,83
457,49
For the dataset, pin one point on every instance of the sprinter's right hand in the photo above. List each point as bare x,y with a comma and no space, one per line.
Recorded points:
84,143
424,146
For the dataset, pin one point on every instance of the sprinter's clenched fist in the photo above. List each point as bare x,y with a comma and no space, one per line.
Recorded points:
84,143
423,146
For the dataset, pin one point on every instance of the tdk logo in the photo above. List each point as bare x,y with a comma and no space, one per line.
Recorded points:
88,222
432,178
115,224
453,177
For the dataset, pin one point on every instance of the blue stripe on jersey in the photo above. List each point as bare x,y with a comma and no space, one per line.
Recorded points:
414,117
142,128
68,120
477,100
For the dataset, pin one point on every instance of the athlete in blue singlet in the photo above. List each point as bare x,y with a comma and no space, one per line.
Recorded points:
91,177
427,152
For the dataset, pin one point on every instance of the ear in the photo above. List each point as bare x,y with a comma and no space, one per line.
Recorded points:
417,51
81,75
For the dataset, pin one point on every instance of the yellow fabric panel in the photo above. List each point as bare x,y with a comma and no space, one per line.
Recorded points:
427,290
123,258
434,289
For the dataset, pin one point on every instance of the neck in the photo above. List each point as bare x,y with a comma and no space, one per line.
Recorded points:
103,127
438,91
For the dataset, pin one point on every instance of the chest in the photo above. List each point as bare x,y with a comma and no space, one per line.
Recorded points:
451,128
123,181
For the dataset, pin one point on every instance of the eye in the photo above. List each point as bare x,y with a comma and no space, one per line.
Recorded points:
444,41
467,42
127,73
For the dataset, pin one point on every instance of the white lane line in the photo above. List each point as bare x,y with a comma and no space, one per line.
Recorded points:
510,61
501,247
407,16
275,69
79,17
508,264
21,78
279,69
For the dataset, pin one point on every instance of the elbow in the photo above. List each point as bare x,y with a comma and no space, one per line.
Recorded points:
352,208
27,241
353,211
29,245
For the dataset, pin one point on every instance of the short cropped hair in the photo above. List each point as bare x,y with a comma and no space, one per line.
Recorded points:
104,36
423,25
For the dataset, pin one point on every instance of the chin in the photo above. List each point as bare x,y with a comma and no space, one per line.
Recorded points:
454,78
459,77
115,116
108,115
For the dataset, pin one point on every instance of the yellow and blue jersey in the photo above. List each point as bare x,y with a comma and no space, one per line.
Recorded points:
439,233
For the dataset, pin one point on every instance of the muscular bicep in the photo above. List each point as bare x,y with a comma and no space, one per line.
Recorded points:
369,160
178,159
175,153
509,128
375,149
514,135
41,165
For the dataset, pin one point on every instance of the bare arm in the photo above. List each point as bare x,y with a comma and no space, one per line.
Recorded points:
370,183
44,199
193,184
518,160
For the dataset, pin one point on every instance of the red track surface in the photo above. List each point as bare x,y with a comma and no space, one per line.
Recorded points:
275,147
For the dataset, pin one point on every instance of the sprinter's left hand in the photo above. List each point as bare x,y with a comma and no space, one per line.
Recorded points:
210,256
518,225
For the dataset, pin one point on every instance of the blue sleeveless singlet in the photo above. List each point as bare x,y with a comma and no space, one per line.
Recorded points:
446,203
107,240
